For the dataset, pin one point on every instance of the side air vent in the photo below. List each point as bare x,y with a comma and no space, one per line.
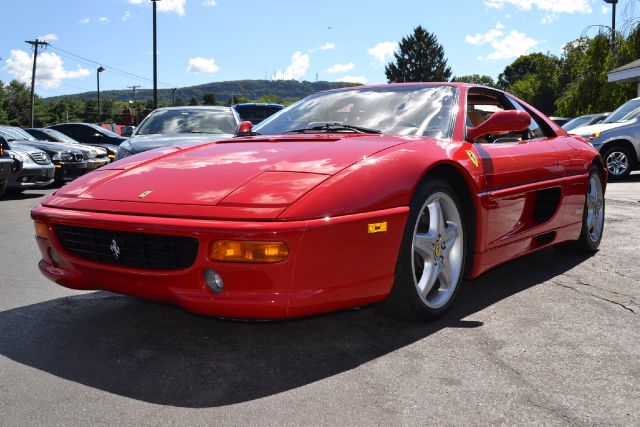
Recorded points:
547,203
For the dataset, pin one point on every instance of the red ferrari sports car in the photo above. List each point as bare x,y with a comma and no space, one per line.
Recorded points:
384,195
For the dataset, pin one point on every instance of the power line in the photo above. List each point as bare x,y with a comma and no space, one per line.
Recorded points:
91,62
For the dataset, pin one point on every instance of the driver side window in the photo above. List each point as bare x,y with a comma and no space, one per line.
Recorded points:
482,104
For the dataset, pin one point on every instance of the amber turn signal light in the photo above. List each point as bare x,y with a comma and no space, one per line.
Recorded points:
246,251
41,229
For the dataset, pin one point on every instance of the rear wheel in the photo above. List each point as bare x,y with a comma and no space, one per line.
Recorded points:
431,258
618,161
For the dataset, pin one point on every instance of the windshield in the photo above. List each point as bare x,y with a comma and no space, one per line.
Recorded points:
188,121
61,137
17,133
405,110
577,122
256,113
625,112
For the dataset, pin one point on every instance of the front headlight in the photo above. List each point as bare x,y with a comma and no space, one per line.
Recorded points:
593,136
24,158
62,157
122,153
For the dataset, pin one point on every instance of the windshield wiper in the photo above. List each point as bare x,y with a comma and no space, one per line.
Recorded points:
335,127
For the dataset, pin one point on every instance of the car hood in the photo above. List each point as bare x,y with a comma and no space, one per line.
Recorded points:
50,147
261,174
142,143
23,148
600,127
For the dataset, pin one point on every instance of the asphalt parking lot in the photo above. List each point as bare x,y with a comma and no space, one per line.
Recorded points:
553,338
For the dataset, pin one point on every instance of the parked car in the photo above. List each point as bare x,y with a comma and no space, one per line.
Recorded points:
94,155
92,134
560,120
362,195
170,126
37,169
627,112
617,138
7,165
69,162
256,112
586,120
620,148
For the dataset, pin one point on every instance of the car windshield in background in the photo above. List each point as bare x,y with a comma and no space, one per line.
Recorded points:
188,121
256,113
625,112
574,123
61,137
406,110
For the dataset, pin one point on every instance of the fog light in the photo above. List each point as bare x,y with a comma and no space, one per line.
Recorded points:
213,281
54,257
245,251
41,229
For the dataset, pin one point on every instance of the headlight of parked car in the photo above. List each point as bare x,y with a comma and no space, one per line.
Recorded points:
24,158
593,136
122,153
62,157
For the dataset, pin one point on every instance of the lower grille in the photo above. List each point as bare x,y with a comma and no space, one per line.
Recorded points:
138,250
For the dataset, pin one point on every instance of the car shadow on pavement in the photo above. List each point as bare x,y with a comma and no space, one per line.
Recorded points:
12,195
161,354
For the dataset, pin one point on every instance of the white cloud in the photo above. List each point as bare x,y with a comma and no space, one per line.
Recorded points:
487,37
549,18
554,6
328,46
353,79
605,10
210,3
504,46
165,6
48,37
104,19
126,16
50,72
340,68
296,70
85,21
382,52
202,65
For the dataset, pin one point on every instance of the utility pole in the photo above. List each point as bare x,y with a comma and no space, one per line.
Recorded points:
35,43
155,58
98,71
173,96
135,102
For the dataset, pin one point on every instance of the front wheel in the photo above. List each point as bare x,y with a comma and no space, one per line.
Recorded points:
431,259
593,215
618,161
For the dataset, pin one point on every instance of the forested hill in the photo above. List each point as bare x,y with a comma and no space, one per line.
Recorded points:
249,89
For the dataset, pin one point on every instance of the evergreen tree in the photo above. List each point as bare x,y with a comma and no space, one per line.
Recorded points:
193,101
209,99
420,59
477,79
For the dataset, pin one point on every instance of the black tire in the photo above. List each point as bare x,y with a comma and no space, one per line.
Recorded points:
3,187
405,302
591,233
618,161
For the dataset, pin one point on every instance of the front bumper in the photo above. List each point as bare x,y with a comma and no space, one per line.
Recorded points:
94,164
333,263
67,171
32,176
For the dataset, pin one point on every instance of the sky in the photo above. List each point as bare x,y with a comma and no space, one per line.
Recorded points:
203,41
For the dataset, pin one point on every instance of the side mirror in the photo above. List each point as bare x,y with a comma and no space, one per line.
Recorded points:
128,130
98,135
244,129
501,121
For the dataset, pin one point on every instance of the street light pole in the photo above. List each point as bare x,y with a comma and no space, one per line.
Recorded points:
155,58
613,21
98,71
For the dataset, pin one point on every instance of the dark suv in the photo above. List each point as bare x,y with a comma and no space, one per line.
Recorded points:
92,134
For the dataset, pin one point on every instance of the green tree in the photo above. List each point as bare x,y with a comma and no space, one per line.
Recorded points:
17,103
534,78
477,79
179,102
3,113
193,101
209,99
420,59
